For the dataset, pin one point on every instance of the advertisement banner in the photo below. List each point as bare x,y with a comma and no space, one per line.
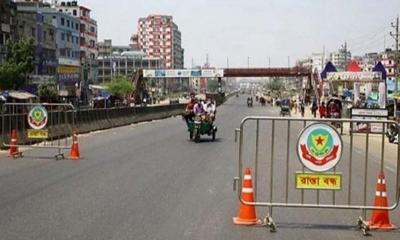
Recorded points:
184,73
355,76
368,114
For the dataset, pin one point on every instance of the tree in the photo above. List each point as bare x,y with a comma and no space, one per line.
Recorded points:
47,91
119,86
18,64
274,85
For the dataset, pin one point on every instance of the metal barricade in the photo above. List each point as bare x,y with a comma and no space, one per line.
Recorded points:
270,146
38,125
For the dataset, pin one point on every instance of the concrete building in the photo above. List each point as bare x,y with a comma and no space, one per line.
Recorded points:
318,61
68,51
67,36
33,25
121,60
88,42
387,59
88,27
158,36
341,59
7,25
368,61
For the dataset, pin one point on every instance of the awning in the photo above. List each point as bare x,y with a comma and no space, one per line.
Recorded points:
21,95
96,87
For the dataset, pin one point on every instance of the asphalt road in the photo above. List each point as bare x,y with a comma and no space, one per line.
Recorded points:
148,181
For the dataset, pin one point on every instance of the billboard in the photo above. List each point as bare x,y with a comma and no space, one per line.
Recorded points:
184,73
355,76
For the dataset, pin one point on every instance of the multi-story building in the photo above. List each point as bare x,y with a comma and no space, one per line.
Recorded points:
158,36
318,61
88,42
68,51
88,27
7,25
387,59
33,25
67,36
368,61
121,60
341,59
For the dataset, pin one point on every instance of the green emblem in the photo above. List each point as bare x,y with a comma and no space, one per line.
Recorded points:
37,117
319,142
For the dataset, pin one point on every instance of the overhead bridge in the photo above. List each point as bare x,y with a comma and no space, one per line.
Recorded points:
267,72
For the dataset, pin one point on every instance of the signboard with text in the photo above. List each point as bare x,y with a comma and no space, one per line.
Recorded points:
184,73
326,181
368,114
355,76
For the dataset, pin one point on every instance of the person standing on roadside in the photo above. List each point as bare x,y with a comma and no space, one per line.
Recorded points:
302,108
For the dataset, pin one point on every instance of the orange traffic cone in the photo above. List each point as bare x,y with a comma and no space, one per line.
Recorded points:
74,155
380,218
247,213
14,145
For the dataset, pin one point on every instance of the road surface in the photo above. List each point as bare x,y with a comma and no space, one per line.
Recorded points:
148,181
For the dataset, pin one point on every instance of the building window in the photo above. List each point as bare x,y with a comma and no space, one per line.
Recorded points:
67,23
67,37
74,12
63,36
76,26
51,33
92,29
62,21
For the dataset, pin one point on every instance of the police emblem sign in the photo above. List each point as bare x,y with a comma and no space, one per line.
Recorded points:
37,117
319,147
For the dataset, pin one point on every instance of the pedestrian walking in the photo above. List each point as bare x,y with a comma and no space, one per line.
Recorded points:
302,108
314,108
322,110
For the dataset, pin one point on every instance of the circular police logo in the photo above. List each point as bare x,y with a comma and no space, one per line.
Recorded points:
319,147
37,117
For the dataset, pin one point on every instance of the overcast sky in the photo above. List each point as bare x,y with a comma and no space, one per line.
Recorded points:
258,29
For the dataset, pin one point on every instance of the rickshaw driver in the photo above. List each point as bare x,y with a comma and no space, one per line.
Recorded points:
189,111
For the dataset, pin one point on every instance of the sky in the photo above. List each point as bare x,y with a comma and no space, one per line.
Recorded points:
242,32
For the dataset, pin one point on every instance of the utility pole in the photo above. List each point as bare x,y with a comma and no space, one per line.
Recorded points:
396,39
396,80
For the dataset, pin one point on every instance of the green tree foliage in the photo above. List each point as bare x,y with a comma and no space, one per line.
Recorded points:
19,62
119,86
274,85
47,90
